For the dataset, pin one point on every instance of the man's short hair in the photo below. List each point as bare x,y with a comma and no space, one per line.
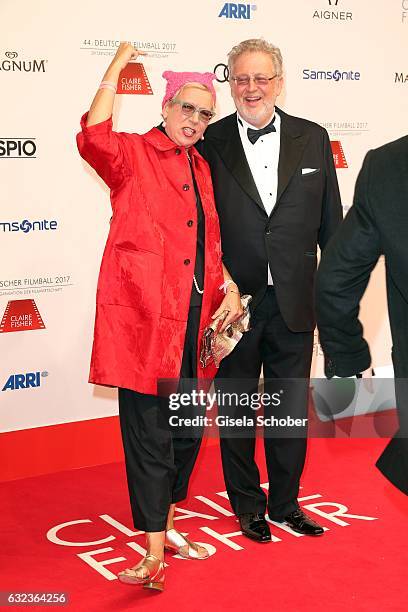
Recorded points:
256,44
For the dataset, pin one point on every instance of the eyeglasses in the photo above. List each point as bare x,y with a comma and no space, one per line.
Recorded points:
243,80
189,110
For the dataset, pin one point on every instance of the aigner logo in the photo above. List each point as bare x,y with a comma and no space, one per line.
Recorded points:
330,75
17,147
11,64
27,226
231,10
24,381
334,15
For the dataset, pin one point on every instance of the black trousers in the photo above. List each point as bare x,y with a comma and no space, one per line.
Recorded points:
283,355
158,463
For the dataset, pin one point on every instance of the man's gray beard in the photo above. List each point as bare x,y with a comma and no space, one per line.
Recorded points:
265,113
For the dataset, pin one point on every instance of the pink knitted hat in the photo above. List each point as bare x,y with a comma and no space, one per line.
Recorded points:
176,80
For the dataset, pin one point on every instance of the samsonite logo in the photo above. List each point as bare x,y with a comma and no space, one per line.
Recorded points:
27,226
331,75
24,381
230,10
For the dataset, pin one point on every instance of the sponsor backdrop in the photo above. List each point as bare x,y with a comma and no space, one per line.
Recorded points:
346,68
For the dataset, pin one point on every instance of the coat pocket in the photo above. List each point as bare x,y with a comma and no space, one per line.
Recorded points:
141,278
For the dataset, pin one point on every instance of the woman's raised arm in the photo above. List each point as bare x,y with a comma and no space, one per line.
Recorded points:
102,104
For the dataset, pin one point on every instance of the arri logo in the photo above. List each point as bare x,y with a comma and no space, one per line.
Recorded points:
12,64
230,10
330,75
24,381
17,147
21,315
27,226
338,154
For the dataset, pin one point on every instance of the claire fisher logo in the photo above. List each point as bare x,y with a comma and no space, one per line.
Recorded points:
133,80
231,10
12,64
27,226
21,315
331,13
17,148
338,154
330,75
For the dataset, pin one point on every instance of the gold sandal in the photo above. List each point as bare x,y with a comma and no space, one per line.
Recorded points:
176,542
149,573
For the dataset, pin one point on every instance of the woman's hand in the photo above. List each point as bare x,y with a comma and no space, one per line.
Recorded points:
232,304
124,54
102,105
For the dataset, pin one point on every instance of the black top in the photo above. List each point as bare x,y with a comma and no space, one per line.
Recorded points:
196,298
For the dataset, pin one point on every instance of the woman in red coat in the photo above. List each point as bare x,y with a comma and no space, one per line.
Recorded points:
159,285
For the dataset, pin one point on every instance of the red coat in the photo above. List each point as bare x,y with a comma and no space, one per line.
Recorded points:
147,268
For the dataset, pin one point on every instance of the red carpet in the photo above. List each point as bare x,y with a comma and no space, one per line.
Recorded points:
360,563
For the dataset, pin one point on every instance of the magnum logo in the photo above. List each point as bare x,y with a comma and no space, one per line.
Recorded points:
12,64
338,154
133,80
21,315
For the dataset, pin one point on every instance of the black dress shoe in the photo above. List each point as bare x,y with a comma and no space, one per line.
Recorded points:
301,523
254,526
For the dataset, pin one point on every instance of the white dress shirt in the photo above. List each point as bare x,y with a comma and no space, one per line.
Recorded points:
263,159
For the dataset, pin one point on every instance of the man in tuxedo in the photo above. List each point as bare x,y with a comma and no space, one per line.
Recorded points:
377,224
277,197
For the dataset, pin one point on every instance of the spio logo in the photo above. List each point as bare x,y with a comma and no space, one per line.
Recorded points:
27,226
18,147
24,381
230,10
330,75
12,64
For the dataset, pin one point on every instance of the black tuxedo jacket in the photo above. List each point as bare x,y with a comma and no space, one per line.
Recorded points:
377,224
307,212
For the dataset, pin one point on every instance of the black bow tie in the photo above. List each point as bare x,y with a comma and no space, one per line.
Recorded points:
253,135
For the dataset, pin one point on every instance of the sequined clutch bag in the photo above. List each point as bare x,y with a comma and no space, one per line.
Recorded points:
214,345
